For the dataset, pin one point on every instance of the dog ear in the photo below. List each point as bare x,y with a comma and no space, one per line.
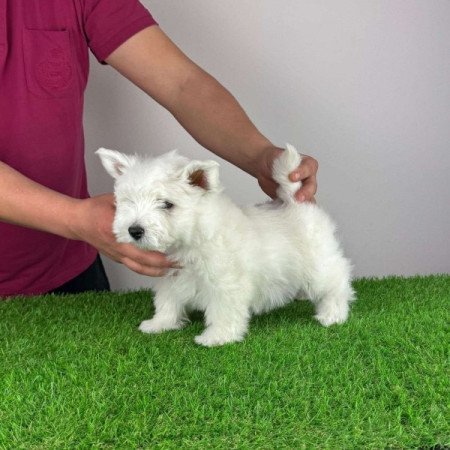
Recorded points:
203,174
114,162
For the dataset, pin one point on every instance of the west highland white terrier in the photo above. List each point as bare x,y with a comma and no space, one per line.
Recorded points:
234,261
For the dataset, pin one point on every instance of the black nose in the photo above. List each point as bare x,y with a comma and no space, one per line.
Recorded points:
136,232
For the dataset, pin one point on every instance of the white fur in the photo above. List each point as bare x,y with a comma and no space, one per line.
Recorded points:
235,261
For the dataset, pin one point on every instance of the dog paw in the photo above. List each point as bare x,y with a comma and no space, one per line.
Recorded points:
158,326
327,318
209,339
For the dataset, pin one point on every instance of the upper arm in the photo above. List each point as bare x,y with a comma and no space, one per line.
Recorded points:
154,63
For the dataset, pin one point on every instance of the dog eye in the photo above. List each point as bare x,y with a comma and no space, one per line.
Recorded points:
167,205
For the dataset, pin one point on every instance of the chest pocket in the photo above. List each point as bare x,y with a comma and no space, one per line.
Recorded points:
49,63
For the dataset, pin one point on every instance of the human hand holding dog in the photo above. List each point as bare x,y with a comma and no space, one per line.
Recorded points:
306,173
92,223
27,203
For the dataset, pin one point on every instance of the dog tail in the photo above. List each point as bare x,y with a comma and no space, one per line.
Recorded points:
288,161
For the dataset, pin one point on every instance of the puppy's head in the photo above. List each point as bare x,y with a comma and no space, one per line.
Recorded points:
157,199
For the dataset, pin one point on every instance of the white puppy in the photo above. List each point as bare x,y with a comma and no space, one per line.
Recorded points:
235,261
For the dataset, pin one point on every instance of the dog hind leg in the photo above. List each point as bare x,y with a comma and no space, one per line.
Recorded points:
332,309
332,300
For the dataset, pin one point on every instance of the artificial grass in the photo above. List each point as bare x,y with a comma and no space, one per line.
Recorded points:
76,373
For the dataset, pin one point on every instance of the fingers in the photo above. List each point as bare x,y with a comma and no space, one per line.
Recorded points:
306,173
150,263
307,191
142,269
308,167
144,257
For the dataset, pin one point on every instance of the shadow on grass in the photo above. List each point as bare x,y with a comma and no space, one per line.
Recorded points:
299,311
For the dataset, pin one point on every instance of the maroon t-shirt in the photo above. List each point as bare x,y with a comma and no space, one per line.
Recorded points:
43,73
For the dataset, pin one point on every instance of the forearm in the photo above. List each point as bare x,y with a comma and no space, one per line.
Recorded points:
209,113
216,120
29,204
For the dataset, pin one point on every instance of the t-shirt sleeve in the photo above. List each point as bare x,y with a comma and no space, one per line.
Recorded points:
109,23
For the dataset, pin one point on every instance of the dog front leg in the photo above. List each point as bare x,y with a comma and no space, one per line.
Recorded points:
170,312
227,320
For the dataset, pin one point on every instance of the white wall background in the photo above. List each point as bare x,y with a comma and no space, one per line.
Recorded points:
362,85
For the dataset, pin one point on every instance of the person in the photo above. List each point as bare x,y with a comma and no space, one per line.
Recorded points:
51,230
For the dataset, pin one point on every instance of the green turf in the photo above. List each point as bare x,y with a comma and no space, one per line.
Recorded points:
76,373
